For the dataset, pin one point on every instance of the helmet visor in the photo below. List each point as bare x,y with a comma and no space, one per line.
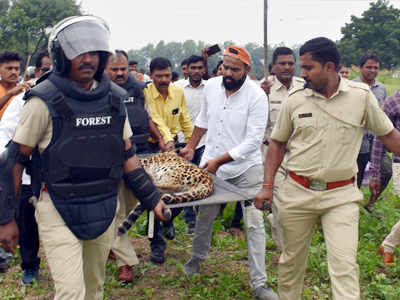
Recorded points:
82,37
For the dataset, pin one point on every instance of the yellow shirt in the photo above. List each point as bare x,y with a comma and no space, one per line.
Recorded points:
171,115
324,135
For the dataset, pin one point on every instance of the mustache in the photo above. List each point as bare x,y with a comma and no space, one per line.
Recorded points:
119,77
86,66
164,83
229,77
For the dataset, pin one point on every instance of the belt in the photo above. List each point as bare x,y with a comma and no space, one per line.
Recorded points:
319,185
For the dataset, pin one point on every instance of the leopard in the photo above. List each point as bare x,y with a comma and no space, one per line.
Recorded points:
177,180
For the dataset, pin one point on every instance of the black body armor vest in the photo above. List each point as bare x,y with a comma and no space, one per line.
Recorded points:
138,117
83,164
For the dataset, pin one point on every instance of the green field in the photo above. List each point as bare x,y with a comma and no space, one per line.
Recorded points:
225,273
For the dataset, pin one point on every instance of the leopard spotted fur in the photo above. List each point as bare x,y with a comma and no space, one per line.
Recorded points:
177,180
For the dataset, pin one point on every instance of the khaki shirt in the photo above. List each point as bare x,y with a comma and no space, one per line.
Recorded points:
276,97
36,128
324,135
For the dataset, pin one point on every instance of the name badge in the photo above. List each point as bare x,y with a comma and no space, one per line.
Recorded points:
95,121
307,115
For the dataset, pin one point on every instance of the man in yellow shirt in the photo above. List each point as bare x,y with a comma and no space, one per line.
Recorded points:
166,105
9,72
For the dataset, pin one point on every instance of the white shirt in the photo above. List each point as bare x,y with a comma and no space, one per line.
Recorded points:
194,98
234,124
8,124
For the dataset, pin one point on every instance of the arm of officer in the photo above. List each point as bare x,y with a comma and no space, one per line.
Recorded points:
142,186
275,154
9,230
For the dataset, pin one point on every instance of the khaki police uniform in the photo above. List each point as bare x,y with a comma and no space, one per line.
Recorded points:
278,94
323,140
77,266
122,247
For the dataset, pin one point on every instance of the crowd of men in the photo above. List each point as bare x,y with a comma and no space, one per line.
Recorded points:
299,145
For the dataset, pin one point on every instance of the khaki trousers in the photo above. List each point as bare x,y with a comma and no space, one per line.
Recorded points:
393,239
338,210
122,247
273,218
77,266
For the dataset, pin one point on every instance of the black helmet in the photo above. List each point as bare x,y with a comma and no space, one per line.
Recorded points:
76,35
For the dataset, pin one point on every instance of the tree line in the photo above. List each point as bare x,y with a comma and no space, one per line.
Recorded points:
25,25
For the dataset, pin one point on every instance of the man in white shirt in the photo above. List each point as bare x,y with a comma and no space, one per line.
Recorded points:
193,89
234,114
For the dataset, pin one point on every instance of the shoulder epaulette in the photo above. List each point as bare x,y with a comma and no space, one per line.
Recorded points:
356,84
296,89
298,79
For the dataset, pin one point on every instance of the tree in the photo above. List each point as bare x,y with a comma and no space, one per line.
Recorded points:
23,23
176,52
377,30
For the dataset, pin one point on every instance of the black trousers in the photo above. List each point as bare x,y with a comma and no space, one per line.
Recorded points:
28,230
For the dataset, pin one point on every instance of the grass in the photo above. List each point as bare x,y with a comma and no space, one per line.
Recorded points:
225,273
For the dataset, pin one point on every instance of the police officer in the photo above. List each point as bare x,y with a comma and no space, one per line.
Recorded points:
142,126
277,87
324,122
76,118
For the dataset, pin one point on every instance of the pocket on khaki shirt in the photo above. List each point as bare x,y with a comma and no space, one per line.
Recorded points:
344,134
307,129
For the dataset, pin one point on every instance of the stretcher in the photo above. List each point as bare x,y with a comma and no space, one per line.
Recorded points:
224,192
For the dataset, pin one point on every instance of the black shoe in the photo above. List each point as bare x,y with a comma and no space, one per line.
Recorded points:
169,232
157,256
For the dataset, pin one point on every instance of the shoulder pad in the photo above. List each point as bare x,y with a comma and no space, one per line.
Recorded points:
296,89
117,90
138,83
44,90
298,79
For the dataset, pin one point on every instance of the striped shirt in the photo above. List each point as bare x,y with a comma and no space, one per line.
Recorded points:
392,108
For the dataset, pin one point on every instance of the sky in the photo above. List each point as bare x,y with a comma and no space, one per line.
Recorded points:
136,23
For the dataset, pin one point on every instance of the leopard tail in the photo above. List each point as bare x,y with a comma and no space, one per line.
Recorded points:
130,219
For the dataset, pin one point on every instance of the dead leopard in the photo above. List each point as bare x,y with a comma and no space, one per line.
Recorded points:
177,180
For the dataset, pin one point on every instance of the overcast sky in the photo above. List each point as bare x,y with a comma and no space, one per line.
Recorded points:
135,23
